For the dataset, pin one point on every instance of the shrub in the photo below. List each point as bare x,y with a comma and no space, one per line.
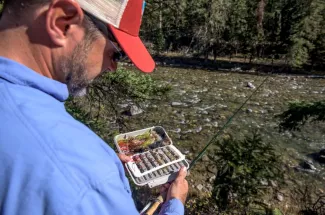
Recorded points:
309,199
242,165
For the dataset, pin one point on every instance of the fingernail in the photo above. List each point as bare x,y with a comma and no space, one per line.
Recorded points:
183,169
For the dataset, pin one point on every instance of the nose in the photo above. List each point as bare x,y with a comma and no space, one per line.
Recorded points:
113,65
109,62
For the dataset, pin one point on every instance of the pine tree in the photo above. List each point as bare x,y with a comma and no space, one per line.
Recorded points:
318,53
307,30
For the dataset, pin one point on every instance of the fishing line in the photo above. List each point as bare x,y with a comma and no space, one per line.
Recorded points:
199,156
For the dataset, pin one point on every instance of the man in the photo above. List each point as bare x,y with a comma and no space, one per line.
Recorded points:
50,163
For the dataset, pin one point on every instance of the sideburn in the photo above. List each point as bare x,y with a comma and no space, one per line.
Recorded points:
74,66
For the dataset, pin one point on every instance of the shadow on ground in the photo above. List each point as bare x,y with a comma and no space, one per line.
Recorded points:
228,66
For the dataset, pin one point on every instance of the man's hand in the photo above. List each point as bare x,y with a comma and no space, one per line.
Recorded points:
179,188
124,158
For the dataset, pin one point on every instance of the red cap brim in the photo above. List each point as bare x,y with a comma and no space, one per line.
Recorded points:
135,50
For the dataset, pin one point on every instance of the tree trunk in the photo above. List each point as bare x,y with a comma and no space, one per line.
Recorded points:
260,16
160,16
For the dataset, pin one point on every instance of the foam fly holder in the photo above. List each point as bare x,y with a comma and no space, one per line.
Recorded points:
157,165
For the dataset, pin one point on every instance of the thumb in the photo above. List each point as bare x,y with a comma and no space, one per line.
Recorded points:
182,173
124,158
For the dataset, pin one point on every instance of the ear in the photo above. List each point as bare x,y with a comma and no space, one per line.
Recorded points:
61,16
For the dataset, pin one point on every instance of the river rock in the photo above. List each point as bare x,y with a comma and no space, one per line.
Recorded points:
194,100
263,111
212,169
249,110
307,164
186,152
177,130
181,92
236,69
212,179
207,120
205,158
222,106
209,187
175,104
204,112
199,187
124,105
201,90
188,131
263,182
273,183
215,124
280,197
321,156
135,110
198,130
250,85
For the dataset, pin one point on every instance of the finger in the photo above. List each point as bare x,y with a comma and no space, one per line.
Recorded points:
182,174
166,186
124,158
163,189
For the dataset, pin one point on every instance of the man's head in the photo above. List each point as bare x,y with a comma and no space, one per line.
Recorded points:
64,38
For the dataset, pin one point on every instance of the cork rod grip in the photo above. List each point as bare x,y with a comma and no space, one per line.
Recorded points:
155,206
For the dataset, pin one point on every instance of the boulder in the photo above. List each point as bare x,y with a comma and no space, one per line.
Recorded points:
306,166
309,165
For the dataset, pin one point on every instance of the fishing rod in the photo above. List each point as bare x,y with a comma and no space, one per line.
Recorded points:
159,199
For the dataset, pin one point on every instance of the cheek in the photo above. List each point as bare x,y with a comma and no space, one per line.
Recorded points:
96,58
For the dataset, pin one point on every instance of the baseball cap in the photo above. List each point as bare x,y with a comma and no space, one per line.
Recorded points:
123,18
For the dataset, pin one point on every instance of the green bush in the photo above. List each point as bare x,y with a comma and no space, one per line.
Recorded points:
299,113
242,165
129,84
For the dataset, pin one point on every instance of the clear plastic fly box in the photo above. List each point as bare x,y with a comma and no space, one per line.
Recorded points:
155,160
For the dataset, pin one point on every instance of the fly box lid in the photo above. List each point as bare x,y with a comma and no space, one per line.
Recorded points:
155,160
